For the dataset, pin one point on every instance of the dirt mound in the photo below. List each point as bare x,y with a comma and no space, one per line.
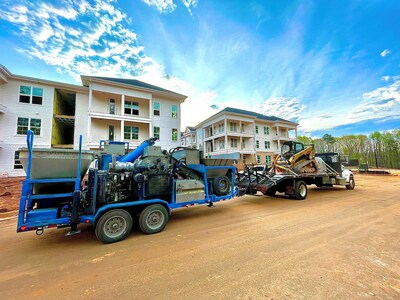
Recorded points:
10,192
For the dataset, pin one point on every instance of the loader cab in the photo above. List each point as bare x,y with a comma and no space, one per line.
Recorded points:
290,148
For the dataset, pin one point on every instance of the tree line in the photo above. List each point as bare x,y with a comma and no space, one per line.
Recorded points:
379,149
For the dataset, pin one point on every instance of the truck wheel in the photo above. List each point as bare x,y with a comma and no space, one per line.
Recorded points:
270,192
352,183
113,226
300,190
153,218
221,185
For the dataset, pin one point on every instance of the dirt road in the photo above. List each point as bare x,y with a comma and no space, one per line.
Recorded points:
337,244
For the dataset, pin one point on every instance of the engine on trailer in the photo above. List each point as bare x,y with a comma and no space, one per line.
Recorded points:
148,175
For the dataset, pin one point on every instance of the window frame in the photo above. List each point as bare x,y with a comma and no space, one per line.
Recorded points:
174,112
29,126
17,161
234,143
256,128
112,107
156,135
233,126
131,107
32,97
131,133
174,134
257,144
267,144
155,109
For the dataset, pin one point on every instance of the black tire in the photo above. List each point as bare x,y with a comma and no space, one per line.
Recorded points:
352,183
270,192
221,185
113,226
300,190
153,218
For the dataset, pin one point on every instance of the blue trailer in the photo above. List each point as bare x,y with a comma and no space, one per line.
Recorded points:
146,183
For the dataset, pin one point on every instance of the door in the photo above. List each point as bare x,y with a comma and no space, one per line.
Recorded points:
110,132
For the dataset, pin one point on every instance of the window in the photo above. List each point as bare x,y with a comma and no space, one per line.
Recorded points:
17,162
24,124
156,107
174,111
257,144
268,159
221,128
267,144
232,126
266,130
174,134
156,132
258,159
131,133
221,144
28,94
233,143
132,108
299,147
256,128
244,159
243,145
112,107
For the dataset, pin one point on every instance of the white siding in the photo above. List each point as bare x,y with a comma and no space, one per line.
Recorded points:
97,117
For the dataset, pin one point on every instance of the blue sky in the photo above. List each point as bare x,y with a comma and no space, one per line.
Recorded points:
331,66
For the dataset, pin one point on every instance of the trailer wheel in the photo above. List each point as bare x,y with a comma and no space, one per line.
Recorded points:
352,183
153,218
300,190
221,185
113,226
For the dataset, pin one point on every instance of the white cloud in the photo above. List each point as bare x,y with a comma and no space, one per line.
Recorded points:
287,108
168,6
380,103
385,52
78,37
385,78
163,6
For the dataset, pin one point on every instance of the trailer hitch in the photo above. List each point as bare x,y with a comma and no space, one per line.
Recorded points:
39,231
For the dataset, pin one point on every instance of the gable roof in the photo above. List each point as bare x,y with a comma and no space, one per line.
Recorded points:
249,113
132,82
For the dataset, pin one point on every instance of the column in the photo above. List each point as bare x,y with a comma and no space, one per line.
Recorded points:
122,104
122,130
151,111
226,134
89,128
279,137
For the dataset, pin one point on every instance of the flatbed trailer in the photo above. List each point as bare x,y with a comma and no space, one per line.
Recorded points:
292,184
